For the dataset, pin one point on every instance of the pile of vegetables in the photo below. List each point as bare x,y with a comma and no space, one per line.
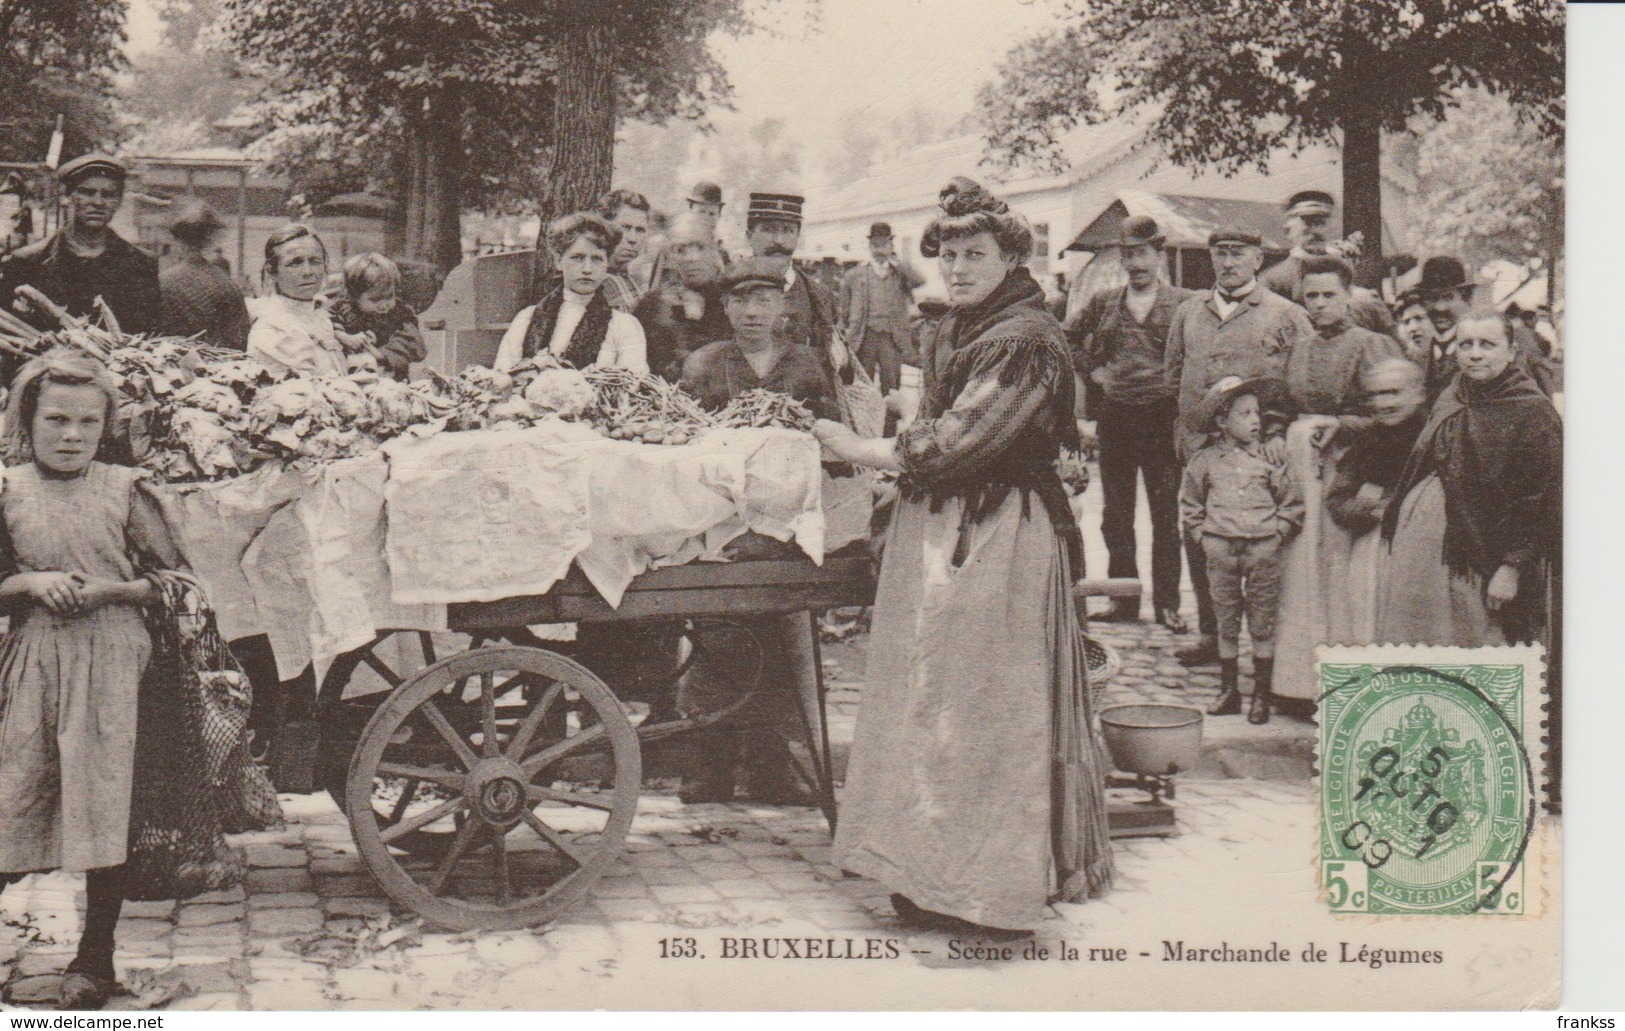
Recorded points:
194,414
756,408
644,409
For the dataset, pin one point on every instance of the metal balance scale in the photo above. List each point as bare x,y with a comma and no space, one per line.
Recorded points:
1149,744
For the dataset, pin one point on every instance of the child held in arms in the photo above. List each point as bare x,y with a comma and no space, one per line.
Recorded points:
371,319
1243,508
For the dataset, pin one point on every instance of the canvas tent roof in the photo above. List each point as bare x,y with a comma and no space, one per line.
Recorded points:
1185,220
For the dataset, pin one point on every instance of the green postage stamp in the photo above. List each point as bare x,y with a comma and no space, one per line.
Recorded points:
1430,779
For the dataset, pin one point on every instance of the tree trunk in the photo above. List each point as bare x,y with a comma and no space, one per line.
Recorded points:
1362,190
584,116
432,218
442,182
412,173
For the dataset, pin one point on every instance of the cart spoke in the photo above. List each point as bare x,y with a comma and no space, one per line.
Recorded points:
433,774
437,719
408,792
554,838
423,819
489,744
426,641
465,837
537,793
380,667
548,756
499,857
533,720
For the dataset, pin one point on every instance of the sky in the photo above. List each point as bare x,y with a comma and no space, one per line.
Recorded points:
822,59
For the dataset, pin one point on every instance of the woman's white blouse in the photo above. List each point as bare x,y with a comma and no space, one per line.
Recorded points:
624,346
294,335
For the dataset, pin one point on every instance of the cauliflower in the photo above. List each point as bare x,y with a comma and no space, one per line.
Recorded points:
205,438
565,392
347,397
211,397
477,380
286,401
515,409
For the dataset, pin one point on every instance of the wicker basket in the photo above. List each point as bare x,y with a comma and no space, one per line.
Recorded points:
1103,664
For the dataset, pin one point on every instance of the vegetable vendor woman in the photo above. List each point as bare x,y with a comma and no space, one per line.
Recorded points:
289,330
975,790
75,531
574,321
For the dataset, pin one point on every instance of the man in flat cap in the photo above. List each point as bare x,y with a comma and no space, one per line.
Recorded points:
765,739
86,259
773,228
1118,342
1239,328
757,356
874,307
198,298
1307,227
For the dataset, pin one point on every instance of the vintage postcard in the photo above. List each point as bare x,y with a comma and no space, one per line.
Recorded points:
781,504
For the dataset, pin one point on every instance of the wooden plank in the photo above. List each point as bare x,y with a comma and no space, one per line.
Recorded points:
702,589
1115,587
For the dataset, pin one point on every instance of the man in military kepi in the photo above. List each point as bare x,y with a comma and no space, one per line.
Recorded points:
86,259
1307,227
773,228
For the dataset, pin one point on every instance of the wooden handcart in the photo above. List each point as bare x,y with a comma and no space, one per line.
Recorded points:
490,789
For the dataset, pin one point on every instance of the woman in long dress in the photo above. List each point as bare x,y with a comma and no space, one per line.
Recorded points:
975,789
1477,517
75,653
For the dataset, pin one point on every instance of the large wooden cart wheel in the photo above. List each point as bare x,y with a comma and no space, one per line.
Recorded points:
526,840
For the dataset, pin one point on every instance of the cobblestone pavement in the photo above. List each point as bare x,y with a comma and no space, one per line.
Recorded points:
312,930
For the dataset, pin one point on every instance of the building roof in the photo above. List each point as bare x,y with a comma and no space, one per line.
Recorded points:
1186,221
912,178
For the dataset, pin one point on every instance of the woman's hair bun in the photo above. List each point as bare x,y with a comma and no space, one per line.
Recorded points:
964,196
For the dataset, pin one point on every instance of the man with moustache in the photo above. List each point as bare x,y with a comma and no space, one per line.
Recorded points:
86,259
1239,328
1118,339
1307,227
773,229
1448,293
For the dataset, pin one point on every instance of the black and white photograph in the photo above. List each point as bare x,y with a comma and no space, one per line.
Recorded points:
781,505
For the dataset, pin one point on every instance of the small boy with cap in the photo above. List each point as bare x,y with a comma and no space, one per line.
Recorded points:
1242,507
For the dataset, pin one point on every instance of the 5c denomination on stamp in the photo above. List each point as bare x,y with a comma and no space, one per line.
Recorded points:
1429,779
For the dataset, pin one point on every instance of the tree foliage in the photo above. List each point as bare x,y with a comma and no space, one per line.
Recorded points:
1490,185
58,59
180,94
1227,82
363,89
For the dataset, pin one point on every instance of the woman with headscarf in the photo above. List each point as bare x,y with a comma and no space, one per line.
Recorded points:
574,321
975,790
1477,518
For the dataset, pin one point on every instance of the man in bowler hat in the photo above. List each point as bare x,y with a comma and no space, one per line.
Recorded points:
1118,342
874,307
1448,293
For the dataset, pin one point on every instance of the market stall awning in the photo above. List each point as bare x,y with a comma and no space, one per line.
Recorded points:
1185,220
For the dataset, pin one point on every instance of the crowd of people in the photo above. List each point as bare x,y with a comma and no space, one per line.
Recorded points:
1324,473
